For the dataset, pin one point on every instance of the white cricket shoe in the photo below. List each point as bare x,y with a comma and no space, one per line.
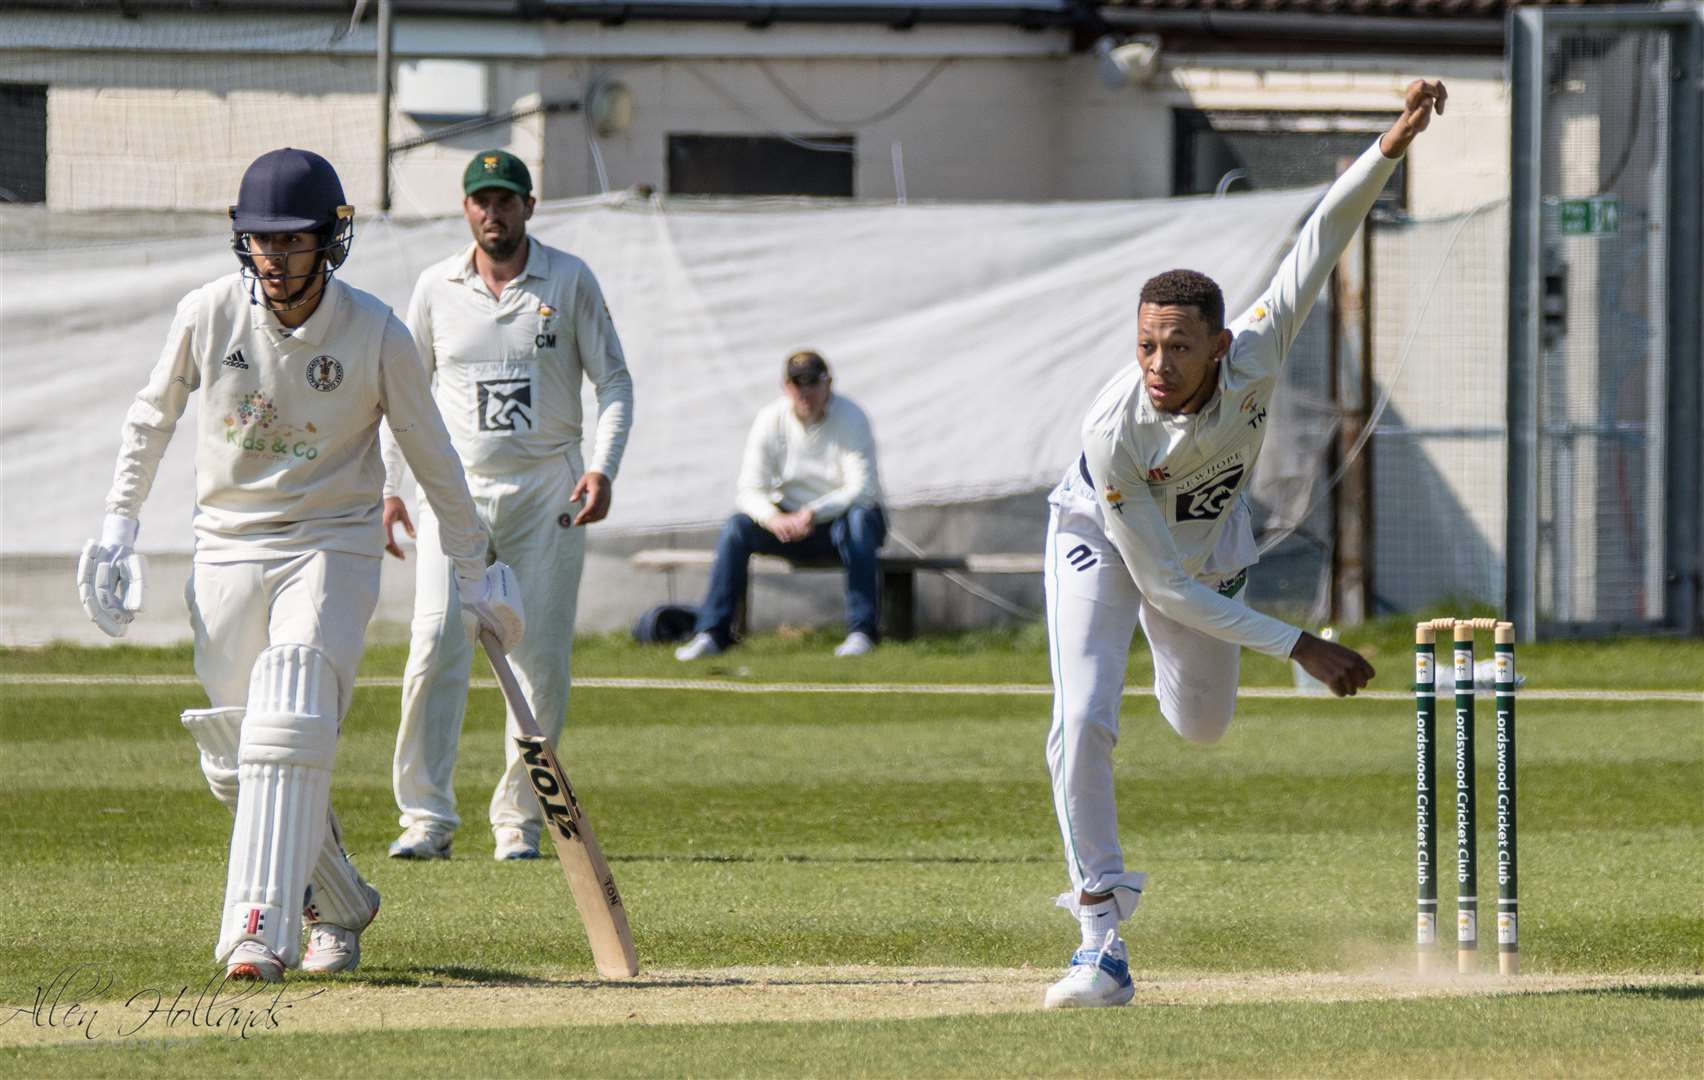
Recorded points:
251,961
421,841
337,948
512,843
1097,978
332,948
857,643
700,646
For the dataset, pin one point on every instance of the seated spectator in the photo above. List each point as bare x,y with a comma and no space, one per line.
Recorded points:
807,492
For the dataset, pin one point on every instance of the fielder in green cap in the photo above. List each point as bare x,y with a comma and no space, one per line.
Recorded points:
510,329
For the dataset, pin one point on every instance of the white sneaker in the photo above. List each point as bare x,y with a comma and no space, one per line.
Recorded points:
857,643
421,841
336,948
251,961
700,646
512,843
1097,978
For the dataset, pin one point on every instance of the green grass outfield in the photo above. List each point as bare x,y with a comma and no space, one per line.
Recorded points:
861,884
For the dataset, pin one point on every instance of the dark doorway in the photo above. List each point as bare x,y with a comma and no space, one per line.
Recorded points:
1264,150
23,151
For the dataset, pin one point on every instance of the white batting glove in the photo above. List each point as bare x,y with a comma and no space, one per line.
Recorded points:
495,601
109,576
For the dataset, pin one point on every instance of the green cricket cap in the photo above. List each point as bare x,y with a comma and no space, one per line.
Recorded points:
499,169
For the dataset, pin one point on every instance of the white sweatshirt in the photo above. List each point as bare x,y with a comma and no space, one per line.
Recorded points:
1167,484
828,467
506,370
286,455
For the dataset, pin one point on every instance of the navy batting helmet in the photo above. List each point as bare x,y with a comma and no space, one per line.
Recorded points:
287,191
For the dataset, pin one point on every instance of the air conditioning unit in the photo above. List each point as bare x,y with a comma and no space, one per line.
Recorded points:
443,91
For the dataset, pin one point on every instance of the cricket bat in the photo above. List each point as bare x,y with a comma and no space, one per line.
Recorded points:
583,862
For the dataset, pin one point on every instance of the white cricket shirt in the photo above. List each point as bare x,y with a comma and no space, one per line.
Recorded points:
287,443
829,466
1168,483
506,370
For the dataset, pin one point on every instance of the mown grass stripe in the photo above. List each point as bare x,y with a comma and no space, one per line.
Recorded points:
723,686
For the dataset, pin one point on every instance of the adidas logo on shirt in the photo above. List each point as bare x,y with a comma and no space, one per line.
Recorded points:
236,360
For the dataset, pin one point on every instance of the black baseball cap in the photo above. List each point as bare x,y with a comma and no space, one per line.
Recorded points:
496,169
805,368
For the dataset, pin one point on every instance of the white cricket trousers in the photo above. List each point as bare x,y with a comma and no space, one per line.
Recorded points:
1093,608
529,518
323,599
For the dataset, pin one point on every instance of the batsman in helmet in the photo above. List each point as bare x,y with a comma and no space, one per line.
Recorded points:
296,371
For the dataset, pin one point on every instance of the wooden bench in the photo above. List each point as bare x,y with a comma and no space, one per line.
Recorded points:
899,577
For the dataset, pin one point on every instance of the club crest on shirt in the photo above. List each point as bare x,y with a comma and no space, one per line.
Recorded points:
546,337
1114,499
325,374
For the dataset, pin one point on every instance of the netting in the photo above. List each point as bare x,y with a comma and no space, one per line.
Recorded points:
1292,518
1604,363
144,136
162,114
1439,451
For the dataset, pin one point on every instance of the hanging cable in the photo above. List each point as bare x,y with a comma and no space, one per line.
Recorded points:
863,121
592,141
751,114
1633,132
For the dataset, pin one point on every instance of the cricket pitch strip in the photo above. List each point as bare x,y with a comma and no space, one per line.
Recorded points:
793,994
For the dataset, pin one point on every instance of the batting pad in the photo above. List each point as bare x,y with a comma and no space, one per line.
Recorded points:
340,895
216,733
288,746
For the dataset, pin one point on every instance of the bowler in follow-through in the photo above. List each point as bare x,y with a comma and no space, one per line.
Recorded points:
1150,527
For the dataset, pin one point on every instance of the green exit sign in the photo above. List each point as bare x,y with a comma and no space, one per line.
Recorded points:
1599,215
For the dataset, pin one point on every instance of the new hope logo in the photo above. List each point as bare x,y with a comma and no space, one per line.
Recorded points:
1211,497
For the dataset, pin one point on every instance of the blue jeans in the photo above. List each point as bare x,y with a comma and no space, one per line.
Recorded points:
852,539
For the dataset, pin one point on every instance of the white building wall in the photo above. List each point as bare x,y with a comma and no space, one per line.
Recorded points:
1008,114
